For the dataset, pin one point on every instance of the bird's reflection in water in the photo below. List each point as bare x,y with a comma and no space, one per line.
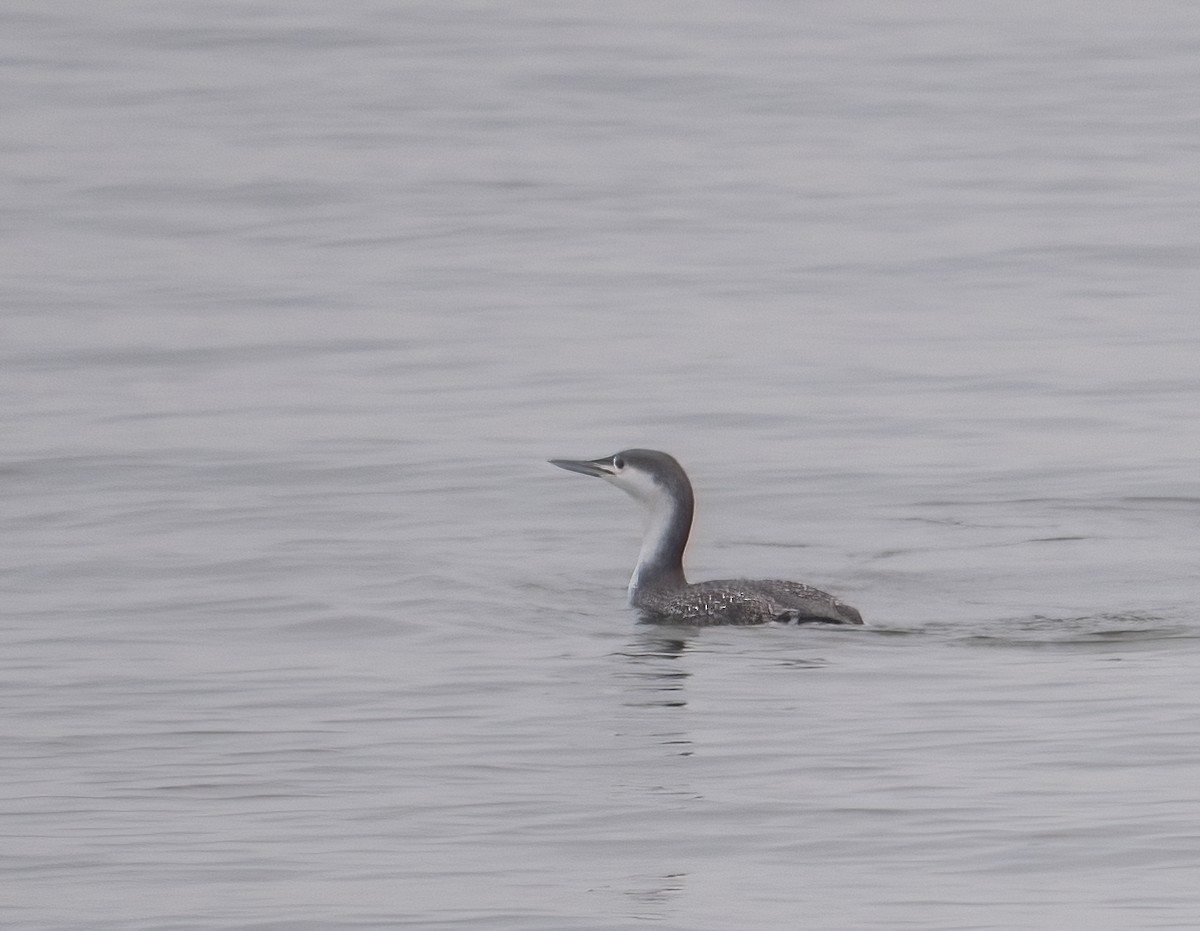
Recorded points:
652,901
653,666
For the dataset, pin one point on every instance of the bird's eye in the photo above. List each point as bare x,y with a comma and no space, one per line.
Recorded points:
618,462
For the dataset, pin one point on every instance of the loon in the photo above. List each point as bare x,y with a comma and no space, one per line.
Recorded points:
658,587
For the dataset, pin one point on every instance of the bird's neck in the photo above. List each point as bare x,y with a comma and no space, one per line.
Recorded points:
660,562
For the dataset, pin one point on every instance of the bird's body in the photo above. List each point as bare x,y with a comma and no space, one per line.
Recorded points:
659,588
746,601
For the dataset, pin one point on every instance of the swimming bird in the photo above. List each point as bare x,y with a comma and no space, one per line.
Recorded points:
658,587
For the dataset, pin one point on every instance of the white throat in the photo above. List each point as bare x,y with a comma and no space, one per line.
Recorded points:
660,516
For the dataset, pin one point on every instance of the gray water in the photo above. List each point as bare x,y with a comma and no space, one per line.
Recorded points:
299,629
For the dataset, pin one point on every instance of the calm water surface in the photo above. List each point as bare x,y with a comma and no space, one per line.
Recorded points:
301,632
